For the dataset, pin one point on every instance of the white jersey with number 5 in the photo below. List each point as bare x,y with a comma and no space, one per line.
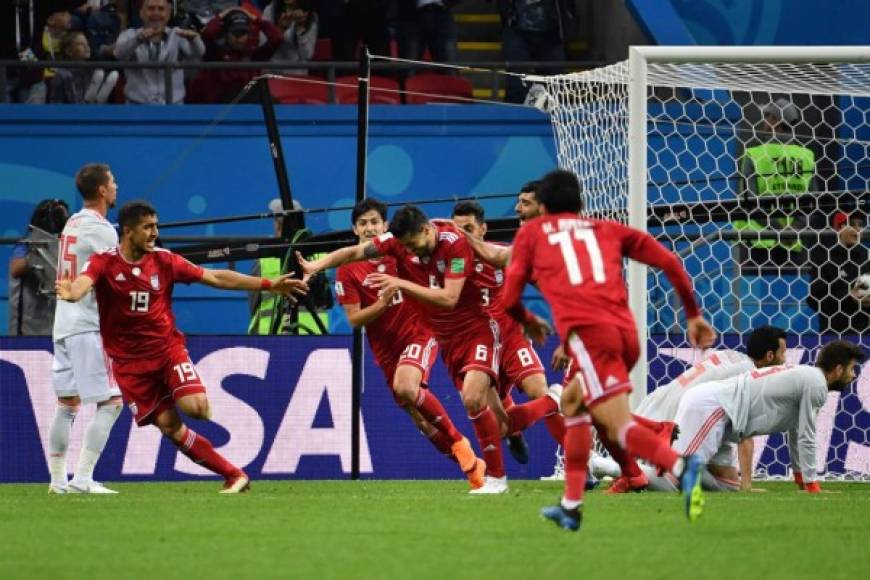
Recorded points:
85,233
662,404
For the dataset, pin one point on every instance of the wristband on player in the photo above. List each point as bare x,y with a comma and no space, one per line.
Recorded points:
799,479
265,283
813,487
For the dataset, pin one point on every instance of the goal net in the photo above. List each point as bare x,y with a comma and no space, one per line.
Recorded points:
752,164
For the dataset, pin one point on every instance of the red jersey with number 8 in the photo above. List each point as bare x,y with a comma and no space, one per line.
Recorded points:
135,302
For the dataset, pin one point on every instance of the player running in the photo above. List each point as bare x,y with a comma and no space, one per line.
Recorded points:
133,284
714,416
577,263
401,342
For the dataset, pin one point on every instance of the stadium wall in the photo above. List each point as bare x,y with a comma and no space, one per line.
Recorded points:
282,410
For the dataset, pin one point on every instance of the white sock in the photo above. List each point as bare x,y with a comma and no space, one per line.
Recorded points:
96,435
677,469
571,504
58,442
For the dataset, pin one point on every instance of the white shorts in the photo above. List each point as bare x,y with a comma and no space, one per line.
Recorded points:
80,368
703,428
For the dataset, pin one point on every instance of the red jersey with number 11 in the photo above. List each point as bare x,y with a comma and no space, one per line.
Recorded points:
135,302
578,264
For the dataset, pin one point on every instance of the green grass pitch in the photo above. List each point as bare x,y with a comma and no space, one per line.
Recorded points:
417,530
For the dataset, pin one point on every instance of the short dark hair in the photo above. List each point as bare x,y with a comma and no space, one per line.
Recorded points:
471,208
90,177
50,215
409,220
132,212
531,187
838,352
763,340
368,204
560,192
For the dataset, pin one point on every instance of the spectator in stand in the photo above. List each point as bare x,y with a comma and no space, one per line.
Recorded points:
31,293
79,85
103,24
350,23
234,36
156,42
426,24
298,21
832,292
202,12
533,30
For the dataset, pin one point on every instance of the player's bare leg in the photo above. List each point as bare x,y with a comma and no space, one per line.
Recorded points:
476,386
58,442
536,388
94,441
195,446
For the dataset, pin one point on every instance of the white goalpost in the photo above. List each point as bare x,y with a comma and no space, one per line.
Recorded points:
749,162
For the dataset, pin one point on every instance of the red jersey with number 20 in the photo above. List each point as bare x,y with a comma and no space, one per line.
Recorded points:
578,264
135,302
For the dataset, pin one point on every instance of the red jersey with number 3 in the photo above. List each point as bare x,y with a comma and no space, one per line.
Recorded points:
135,301
578,265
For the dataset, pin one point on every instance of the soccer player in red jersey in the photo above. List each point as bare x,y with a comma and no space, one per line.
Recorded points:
403,345
577,263
520,364
133,284
435,265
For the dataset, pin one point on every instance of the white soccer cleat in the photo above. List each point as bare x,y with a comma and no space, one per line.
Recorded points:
58,488
555,393
92,487
238,483
491,485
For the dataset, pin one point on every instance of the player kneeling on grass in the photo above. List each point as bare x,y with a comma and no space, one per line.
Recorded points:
133,284
714,416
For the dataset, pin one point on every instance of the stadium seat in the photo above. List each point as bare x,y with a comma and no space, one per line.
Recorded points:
437,89
299,92
322,49
382,90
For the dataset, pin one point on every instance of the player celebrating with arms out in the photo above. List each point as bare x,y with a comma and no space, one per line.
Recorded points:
577,263
133,284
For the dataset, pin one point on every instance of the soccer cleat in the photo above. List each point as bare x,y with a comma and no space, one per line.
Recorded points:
464,455
690,486
565,519
625,484
518,448
477,474
555,393
492,486
591,482
238,483
90,487
58,488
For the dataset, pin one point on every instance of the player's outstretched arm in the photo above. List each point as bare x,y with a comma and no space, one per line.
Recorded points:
230,280
498,256
446,297
336,258
73,290
358,317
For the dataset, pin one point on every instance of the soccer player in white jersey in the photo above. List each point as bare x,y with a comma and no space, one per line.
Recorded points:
716,415
80,370
765,347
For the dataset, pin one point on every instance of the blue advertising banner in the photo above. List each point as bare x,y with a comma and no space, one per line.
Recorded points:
282,410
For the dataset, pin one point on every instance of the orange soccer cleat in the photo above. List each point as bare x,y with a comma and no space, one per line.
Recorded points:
238,483
628,484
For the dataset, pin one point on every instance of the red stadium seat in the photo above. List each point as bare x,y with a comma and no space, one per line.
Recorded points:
299,92
438,89
382,90
322,49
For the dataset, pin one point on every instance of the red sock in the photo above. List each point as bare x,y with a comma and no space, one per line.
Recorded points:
442,442
641,442
523,416
556,426
434,412
655,426
507,402
489,437
201,452
626,461
578,445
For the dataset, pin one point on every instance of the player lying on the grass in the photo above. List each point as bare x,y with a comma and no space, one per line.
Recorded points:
402,343
715,415
133,284
578,265
765,347
520,364
436,267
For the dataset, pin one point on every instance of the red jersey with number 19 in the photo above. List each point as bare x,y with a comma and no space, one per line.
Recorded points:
578,263
135,302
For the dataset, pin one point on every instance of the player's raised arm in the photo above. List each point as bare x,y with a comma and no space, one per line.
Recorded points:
498,256
336,258
73,290
230,280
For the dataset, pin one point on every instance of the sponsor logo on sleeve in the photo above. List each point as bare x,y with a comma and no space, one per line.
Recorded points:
457,265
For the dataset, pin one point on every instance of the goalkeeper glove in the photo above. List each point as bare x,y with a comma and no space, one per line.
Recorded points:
799,479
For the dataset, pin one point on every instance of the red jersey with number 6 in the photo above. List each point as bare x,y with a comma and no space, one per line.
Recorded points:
135,302
578,265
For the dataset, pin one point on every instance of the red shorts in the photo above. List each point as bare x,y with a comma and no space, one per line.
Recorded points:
420,353
479,351
518,360
601,358
149,388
